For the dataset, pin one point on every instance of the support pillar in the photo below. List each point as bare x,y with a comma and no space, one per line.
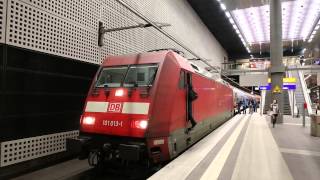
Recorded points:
276,52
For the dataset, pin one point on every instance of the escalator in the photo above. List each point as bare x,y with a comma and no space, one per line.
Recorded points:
286,102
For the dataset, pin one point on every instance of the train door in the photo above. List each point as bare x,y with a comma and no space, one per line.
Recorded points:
185,83
178,138
184,96
191,95
182,139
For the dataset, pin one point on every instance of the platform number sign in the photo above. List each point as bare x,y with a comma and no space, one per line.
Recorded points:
114,107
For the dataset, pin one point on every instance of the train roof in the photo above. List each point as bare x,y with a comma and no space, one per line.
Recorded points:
158,56
147,57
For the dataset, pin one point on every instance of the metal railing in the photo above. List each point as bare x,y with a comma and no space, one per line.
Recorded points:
287,61
242,68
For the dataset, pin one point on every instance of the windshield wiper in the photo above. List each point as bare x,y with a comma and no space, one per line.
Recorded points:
125,76
135,83
152,78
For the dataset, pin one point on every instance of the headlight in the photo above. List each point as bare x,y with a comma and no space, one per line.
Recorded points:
140,124
88,120
119,92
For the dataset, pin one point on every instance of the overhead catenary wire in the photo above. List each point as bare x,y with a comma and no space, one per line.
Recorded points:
146,19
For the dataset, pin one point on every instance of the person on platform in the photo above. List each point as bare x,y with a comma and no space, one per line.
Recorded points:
274,107
250,106
243,106
255,105
239,106
317,106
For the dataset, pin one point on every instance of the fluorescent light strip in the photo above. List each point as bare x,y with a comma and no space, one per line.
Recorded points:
223,7
314,32
292,18
230,18
308,23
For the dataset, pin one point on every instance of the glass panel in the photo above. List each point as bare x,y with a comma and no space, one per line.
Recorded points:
182,80
111,76
140,75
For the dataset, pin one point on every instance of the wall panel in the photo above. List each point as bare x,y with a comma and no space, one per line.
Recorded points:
3,4
30,148
186,26
69,28
37,29
43,93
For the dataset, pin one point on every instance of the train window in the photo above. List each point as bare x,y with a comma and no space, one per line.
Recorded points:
111,76
140,75
182,80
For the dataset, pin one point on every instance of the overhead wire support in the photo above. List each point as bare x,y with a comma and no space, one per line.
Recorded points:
146,19
103,30
137,13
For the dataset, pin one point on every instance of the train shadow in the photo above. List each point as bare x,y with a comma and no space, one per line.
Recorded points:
114,172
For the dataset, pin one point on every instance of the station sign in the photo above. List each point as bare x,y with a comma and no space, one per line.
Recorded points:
267,88
286,80
289,83
286,86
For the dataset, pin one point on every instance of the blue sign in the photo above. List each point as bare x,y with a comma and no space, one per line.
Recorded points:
289,87
286,86
264,88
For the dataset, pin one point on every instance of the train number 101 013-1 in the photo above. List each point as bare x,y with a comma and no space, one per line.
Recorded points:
112,123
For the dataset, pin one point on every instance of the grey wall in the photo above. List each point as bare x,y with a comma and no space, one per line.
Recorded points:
69,28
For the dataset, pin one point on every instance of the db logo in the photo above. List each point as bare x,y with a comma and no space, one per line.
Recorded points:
114,107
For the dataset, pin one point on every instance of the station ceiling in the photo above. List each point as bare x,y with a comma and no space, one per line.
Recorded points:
239,42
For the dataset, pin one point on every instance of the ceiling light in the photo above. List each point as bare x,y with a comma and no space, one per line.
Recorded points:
234,26
298,20
228,15
231,21
223,7
304,49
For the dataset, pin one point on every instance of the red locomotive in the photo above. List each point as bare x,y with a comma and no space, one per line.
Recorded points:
150,107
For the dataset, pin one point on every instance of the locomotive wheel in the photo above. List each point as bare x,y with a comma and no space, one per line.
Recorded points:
95,158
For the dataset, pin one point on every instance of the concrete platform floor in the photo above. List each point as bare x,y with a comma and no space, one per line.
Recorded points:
251,149
244,148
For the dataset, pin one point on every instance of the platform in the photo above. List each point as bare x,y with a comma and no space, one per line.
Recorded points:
244,148
248,148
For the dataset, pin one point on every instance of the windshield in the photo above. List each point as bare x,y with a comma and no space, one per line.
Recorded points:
111,76
132,76
140,75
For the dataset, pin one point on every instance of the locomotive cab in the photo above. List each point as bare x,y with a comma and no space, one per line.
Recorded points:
119,101
116,113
